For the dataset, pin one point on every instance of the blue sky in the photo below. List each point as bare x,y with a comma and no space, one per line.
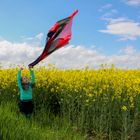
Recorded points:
107,26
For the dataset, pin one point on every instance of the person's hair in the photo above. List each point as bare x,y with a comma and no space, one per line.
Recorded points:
23,84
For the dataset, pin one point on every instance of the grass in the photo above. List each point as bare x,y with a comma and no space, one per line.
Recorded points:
14,126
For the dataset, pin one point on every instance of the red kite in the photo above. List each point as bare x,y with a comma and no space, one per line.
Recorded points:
57,37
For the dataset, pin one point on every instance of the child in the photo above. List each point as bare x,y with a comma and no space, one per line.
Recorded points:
25,86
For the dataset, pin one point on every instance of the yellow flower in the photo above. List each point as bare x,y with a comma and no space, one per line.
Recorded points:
52,90
90,95
124,108
87,101
131,99
132,105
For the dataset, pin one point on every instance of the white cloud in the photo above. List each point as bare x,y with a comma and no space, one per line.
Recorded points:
132,2
104,7
17,53
128,50
66,57
124,28
39,36
108,10
35,40
115,20
109,14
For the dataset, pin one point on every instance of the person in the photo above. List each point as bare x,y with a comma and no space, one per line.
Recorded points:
25,87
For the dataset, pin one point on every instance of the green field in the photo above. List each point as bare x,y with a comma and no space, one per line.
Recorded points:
86,104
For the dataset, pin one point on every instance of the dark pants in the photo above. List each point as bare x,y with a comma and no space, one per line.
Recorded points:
26,107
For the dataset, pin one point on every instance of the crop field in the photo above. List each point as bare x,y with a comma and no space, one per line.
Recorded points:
74,104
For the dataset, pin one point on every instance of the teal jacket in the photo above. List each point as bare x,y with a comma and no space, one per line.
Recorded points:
25,95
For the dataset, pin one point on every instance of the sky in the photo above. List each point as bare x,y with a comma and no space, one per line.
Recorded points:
103,32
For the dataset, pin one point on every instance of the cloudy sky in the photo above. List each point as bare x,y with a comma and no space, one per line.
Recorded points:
104,32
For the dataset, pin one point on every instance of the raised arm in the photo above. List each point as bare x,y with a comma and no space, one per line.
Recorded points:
32,76
18,79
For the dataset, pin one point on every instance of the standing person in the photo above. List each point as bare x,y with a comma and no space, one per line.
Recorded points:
25,87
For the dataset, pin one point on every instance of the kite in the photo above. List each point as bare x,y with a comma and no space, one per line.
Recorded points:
57,37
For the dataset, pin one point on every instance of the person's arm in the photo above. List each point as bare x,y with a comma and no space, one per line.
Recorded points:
32,76
18,79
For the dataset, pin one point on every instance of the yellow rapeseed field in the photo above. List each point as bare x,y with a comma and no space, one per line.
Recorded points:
102,100
88,84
